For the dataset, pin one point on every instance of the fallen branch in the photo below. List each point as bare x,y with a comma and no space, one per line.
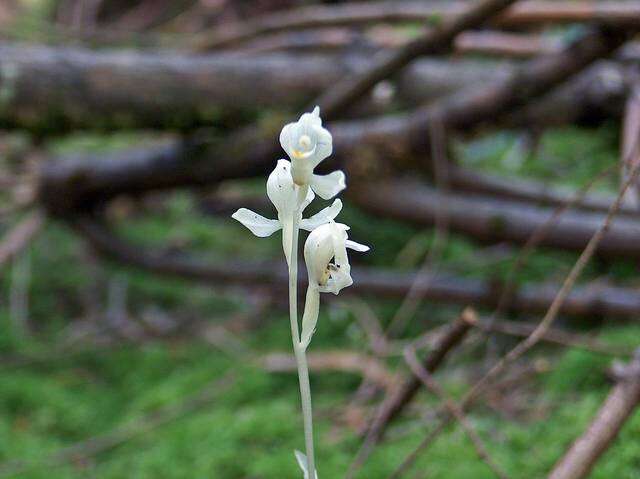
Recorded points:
174,91
454,409
397,401
619,13
345,93
362,146
488,219
619,405
588,300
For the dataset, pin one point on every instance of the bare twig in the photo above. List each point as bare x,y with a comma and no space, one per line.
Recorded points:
395,403
601,433
454,409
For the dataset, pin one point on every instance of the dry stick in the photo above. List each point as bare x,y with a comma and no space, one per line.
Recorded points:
621,402
395,403
538,333
20,236
415,295
98,444
337,99
454,409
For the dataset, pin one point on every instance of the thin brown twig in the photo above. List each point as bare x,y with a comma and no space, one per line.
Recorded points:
556,336
395,403
454,409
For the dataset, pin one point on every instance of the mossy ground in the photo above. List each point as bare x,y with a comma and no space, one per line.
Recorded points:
251,427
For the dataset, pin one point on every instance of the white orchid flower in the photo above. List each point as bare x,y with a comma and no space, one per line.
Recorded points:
284,196
307,143
326,242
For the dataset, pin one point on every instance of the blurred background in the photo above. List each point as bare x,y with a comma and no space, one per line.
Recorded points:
492,160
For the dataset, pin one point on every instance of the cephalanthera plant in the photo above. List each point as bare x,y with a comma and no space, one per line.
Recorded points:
291,187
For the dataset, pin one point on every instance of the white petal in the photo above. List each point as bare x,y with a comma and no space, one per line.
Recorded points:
257,224
286,138
280,188
328,186
356,246
321,217
324,145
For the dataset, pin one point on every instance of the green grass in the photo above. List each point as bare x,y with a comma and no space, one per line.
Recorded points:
251,427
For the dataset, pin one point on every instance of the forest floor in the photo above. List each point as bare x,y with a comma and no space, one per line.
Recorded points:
69,382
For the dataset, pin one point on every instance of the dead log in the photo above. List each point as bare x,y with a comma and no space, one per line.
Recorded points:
619,405
361,146
491,220
528,191
596,299
56,89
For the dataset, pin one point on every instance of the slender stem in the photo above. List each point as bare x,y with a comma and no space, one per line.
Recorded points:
298,349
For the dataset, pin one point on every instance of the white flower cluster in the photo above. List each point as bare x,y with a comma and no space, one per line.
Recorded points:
291,187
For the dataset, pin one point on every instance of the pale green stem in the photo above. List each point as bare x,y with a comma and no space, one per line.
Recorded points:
298,349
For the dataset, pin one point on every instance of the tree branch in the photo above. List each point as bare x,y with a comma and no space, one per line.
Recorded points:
344,94
621,402
589,300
